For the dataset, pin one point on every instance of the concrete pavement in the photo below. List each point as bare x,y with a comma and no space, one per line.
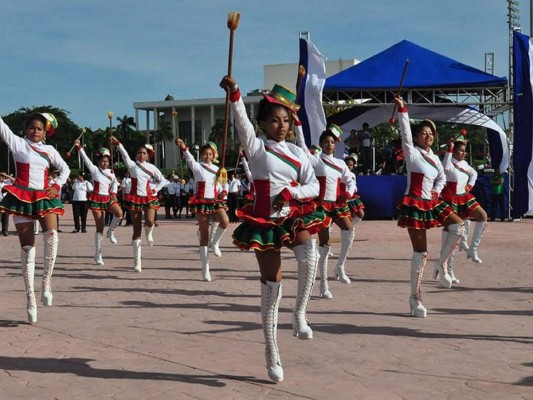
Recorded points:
166,334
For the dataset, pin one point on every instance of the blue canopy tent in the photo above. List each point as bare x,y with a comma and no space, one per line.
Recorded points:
427,69
430,82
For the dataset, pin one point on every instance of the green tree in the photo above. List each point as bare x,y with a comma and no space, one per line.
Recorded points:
65,134
125,127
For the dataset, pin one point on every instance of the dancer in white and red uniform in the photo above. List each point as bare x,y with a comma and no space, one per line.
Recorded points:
460,179
207,202
420,208
103,198
356,206
31,197
142,197
337,185
283,212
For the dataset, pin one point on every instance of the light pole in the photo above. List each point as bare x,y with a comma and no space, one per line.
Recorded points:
111,150
176,136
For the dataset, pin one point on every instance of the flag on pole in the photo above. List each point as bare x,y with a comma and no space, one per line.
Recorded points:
311,80
522,199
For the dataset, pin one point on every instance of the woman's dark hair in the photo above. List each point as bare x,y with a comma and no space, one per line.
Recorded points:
205,147
35,116
423,124
458,143
325,134
265,109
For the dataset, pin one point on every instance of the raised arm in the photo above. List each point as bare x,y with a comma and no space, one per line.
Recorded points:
405,129
189,158
86,160
13,141
125,156
245,129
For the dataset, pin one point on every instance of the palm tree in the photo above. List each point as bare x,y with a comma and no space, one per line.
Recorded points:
125,127
163,133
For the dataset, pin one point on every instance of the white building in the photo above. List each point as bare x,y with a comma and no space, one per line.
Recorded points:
205,113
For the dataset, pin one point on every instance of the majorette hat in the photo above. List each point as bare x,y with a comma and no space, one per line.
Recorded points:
461,137
336,131
150,149
353,157
103,152
282,95
431,124
214,147
50,123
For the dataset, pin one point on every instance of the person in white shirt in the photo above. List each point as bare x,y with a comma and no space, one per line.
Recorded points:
283,213
233,197
5,179
102,198
80,188
143,196
421,209
168,197
32,197
460,179
207,202
176,188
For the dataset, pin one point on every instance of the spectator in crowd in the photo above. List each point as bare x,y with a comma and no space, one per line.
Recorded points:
233,196
365,147
5,179
79,202
352,142
497,195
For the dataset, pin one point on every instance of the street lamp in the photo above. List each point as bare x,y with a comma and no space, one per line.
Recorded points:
110,116
176,136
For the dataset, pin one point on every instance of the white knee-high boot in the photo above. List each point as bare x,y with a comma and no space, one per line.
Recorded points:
418,261
451,260
215,241
137,254
148,233
212,229
270,298
346,243
27,261
51,240
204,256
307,258
98,238
479,229
463,244
455,232
110,234
323,252
451,268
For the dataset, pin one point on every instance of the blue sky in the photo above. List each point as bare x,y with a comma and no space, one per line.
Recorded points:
94,56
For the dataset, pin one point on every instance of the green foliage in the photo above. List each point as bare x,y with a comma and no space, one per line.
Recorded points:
65,134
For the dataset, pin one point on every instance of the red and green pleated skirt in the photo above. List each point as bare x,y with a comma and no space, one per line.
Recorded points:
462,204
263,234
355,204
99,202
140,203
29,203
419,213
202,206
334,210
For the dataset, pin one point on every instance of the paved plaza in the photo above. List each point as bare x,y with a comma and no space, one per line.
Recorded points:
164,333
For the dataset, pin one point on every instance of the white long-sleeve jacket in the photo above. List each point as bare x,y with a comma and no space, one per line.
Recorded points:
141,173
425,173
33,161
276,167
